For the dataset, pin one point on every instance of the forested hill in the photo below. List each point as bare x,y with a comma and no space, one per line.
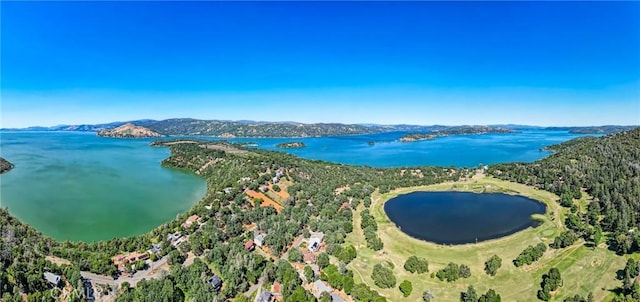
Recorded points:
607,168
255,129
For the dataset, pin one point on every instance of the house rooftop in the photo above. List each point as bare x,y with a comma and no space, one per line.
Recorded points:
336,298
308,256
249,244
264,296
321,287
215,281
51,278
190,220
276,289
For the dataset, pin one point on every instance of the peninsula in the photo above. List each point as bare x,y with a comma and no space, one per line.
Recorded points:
460,130
129,131
5,165
291,145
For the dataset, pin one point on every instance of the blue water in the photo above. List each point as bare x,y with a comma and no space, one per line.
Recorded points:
461,217
460,151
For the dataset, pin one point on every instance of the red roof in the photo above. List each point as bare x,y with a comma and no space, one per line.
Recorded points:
308,256
248,244
275,288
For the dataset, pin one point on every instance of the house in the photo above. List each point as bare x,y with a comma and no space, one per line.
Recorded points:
155,248
276,289
264,189
216,282
336,298
249,245
259,239
315,241
52,278
264,296
143,256
174,236
308,257
318,287
190,221
275,180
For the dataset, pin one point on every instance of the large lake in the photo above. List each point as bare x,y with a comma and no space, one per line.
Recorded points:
459,150
77,186
461,217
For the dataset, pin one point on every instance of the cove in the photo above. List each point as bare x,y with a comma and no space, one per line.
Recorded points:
461,217
80,187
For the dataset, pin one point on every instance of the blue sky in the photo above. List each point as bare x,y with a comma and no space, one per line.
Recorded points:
550,63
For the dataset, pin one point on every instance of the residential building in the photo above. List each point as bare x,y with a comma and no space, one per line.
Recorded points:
190,221
155,248
308,257
174,236
52,278
319,287
276,289
264,296
216,282
315,241
336,298
259,239
249,245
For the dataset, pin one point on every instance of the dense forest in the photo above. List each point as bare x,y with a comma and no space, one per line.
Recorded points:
607,169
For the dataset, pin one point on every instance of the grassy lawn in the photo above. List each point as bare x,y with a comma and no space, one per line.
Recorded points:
583,269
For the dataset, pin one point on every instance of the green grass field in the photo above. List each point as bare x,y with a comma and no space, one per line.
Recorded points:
583,269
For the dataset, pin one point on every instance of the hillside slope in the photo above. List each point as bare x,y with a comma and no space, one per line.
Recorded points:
255,129
129,131
607,168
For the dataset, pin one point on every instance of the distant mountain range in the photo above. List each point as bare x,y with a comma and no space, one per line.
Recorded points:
246,128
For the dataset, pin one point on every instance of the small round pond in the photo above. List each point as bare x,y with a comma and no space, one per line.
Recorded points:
461,217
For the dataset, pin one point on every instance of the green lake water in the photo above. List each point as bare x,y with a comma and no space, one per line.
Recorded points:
76,186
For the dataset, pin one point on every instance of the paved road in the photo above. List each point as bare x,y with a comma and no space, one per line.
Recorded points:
155,271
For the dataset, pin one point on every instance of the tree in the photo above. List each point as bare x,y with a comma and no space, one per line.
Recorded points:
323,260
347,254
465,271
450,273
416,265
295,255
632,267
383,277
427,296
309,274
490,296
470,295
492,265
175,258
406,287
550,282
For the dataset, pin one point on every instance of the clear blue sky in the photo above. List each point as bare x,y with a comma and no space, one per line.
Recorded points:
545,63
